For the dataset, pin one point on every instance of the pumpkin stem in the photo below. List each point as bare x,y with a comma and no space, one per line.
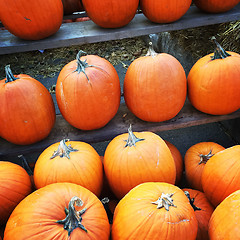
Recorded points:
105,202
205,158
191,200
132,139
9,74
73,218
25,165
151,51
219,52
63,150
165,201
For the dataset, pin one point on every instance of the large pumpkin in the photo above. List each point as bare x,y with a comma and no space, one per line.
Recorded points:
216,6
15,185
155,87
163,11
27,112
213,82
70,6
88,92
111,13
31,19
154,211
221,175
59,211
195,159
72,161
134,158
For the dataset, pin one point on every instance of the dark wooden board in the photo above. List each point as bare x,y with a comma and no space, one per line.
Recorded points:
187,117
78,33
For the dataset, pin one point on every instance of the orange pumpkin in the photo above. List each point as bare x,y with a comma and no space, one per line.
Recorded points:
163,11
72,161
134,158
203,210
212,82
59,211
88,92
221,175
154,211
27,113
15,185
31,20
195,159
155,87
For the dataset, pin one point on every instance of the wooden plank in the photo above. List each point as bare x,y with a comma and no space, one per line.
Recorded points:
187,117
78,33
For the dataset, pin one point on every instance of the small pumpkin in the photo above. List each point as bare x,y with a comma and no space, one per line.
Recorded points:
70,161
136,157
213,80
154,210
88,92
59,211
155,87
27,113
71,6
195,159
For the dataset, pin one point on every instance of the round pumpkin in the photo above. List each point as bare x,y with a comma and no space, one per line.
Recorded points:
71,6
195,159
154,210
111,13
215,6
137,157
15,185
72,161
212,82
88,92
155,87
59,211
32,19
163,11
221,175
203,210
27,113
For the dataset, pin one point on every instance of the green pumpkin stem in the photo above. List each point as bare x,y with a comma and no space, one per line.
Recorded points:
73,218
165,201
151,51
63,150
205,158
9,75
132,139
191,200
219,52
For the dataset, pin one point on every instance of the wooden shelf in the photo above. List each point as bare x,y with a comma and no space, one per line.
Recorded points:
78,33
187,117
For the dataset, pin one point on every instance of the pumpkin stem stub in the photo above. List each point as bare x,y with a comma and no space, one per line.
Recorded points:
205,158
9,75
151,51
74,218
63,150
132,139
165,201
219,52
191,200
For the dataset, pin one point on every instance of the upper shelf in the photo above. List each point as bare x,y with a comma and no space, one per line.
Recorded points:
78,33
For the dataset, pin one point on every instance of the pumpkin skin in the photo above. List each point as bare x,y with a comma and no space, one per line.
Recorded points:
70,6
88,101
195,159
44,207
164,11
15,185
83,166
31,20
212,84
111,13
126,165
21,122
223,224
155,87
215,6
221,175
203,210
137,217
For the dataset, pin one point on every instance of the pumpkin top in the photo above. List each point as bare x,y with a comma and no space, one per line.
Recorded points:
132,139
219,52
9,75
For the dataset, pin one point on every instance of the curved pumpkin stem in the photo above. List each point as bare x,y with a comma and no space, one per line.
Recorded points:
205,158
151,51
191,200
9,74
219,52
63,150
74,218
165,201
132,139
